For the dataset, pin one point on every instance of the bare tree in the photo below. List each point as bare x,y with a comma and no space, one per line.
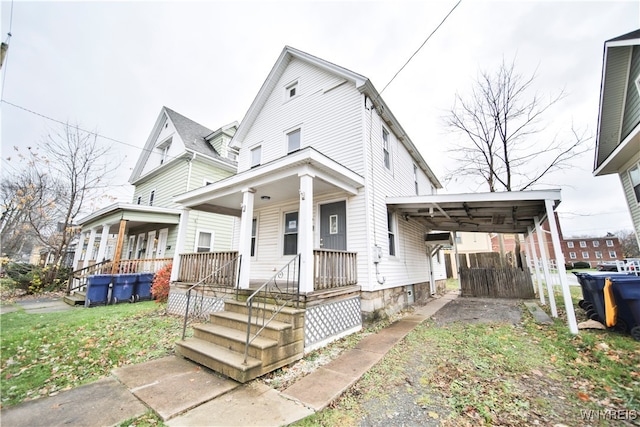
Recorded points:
629,243
501,120
69,168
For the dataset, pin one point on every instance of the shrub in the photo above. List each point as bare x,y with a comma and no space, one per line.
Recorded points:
160,284
581,264
568,266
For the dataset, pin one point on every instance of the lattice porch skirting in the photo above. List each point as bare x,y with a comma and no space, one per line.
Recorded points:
199,307
330,321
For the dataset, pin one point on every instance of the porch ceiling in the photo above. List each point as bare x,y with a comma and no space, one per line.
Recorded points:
508,212
274,183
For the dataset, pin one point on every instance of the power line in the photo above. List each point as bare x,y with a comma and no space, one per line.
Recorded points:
143,149
423,43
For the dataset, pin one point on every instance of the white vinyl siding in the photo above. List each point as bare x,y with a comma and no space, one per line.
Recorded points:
630,195
330,111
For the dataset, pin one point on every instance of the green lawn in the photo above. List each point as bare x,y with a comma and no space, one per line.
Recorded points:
42,354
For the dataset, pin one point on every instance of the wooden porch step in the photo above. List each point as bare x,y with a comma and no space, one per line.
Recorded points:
75,299
230,337
220,359
274,330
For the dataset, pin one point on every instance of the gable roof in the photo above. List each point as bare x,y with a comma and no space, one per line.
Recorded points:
362,83
193,136
611,150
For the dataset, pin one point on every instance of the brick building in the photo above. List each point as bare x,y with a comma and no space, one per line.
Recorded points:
593,250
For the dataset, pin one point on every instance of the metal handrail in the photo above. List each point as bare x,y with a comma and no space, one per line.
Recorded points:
213,287
275,290
83,272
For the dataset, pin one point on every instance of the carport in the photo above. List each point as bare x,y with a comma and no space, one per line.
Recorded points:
517,212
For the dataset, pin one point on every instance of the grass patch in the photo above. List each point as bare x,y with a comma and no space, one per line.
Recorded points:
499,374
43,354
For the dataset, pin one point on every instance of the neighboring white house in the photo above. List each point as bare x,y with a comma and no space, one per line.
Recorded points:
179,155
618,136
319,154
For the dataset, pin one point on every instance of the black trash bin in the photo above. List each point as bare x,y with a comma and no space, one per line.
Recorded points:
97,290
142,290
123,285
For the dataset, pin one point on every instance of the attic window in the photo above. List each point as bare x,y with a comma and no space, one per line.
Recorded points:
291,90
638,83
163,150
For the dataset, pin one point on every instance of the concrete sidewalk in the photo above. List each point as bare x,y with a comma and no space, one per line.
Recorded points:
186,394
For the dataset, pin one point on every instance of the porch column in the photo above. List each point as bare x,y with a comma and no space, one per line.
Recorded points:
103,243
118,253
562,272
305,232
534,258
92,241
79,246
244,244
545,267
180,240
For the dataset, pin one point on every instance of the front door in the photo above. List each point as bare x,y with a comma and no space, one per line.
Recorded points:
162,242
333,226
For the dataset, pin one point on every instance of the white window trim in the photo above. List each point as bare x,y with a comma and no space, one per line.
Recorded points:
288,87
596,243
197,238
614,256
388,149
394,230
286,139
570,245
583,253
283,229
637,80
573,255
609,245
251,151
152,197
255,249
583,244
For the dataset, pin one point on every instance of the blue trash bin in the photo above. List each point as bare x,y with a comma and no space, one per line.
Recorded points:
593,292
97,290
142,291
123,285
626,291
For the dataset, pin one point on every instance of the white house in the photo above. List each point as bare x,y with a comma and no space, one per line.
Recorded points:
319,154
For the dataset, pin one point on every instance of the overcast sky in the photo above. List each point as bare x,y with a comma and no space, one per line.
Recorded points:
111,66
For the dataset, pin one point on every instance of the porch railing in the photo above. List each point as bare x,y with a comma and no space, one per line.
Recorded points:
78,279
126,266
281,290
195,266
334,269
211,286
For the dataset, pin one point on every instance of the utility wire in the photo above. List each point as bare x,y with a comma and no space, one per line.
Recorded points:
423,43
79,128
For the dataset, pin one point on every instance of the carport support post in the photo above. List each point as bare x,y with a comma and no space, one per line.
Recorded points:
545,267
562,272
534,258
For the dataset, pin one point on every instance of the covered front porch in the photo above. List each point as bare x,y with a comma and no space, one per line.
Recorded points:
296,207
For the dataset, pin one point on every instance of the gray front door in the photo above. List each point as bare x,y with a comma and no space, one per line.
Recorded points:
333,226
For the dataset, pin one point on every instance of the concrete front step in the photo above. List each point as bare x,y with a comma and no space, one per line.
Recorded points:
220,359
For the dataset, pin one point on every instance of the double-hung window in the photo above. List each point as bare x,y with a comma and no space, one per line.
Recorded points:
392,233
386,149
293,141
290,246
256,156
204,241
569,244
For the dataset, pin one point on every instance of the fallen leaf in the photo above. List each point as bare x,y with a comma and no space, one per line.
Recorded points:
434,415
583,396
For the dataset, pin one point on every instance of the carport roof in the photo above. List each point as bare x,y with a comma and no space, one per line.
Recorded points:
505,212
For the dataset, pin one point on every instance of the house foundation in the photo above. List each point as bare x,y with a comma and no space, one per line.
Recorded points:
384,302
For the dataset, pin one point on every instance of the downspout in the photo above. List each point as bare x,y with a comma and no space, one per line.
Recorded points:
377,250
